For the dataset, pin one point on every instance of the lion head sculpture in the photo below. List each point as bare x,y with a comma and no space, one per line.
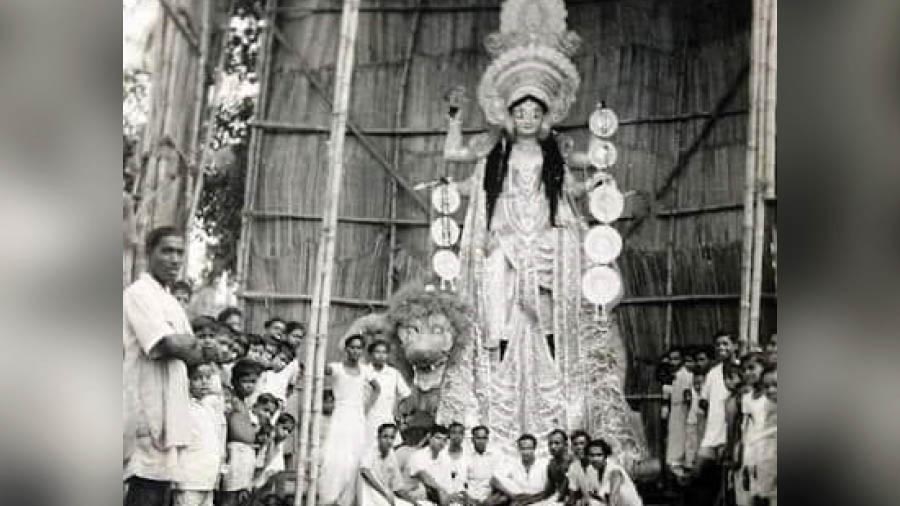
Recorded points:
432,328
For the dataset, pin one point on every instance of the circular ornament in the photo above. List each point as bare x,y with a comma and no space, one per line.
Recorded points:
603,244
445,198
606,202
444,231
602,153
601,285
446,264
603,122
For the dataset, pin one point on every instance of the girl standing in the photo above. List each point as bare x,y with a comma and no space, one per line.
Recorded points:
753,411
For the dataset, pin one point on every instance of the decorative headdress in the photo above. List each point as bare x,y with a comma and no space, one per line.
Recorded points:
531,57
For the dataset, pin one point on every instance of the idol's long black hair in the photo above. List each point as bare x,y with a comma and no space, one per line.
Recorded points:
497,166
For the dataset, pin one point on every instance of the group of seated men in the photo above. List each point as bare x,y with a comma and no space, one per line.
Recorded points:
449,471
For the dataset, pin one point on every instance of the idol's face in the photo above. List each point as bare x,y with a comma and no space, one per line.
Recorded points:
527,118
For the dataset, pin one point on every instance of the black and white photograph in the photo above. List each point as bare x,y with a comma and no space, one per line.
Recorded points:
449,253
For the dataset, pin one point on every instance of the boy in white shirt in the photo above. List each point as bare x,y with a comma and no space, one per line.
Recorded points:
201,461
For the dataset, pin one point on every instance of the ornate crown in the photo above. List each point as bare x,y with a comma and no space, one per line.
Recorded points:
531,57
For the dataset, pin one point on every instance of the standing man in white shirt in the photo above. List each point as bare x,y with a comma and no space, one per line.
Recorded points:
158,346
393,387
713,397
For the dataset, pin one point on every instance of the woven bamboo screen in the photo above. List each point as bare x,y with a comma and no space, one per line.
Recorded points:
664,67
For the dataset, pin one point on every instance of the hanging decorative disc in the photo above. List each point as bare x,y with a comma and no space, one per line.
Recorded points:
603,244
445,198
601,285
603,122
446,264
444,231
602,153
606,202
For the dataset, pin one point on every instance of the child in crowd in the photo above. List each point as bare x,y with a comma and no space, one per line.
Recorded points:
294,333
733,383
753,407
764,476
182,292
274,329
284,367
241,435
232,318
256,349
680,401
201,461
694,422
271,454
702,359
771,351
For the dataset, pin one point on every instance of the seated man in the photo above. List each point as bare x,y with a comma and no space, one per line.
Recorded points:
431,470
614,485
381,484
581,477
480,467
523,481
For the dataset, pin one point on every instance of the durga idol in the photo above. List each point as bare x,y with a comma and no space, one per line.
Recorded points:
521,244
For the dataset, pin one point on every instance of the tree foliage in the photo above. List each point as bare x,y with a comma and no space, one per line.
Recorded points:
222,199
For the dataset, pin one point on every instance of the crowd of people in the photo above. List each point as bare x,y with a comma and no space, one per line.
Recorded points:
210,414
721,420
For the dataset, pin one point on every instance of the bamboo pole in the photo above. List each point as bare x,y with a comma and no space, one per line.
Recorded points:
765,160
750,178
395,156
197,149
263,65
325,267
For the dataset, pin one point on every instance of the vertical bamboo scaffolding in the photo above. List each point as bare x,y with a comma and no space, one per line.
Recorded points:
256,135
765,160
750,180
325,266
197,151
395,158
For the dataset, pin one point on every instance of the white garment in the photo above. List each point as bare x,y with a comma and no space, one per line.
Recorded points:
628,495
754,411
276,382
439,468
200,462
346,441
715,393
272,464
678,418
387,472
155,392
458,465
479,469
392,388
241,467
193,498
517,479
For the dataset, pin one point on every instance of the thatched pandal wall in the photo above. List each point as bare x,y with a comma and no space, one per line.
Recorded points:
165,186
649,60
